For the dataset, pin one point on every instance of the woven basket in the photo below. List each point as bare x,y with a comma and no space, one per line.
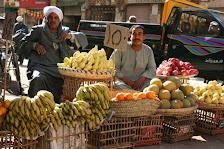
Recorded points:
85,74
177,112
209,106
133,108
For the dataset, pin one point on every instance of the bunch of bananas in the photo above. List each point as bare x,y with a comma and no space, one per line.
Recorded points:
68,112
29,116
97,95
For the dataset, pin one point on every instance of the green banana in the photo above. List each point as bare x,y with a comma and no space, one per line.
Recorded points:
86,110
80,109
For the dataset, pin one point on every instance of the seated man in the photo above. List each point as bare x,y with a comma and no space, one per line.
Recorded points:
45,46
136,66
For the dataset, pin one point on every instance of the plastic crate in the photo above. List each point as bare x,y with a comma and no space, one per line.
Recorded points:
113,134
65,137
148,130
8,140
178,128
210,121
72,84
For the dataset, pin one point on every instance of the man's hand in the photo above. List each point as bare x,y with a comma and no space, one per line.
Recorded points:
128,82
139,83
40,49
65,36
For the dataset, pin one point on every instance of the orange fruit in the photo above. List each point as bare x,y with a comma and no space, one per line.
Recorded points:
128,96
141,95
114,99
1,104
150,94
3,109
7,103
120,96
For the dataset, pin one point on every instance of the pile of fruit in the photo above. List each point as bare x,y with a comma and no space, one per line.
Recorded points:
29,116
135,96
95,60
176,67
172,93
4,105
210,93
98,96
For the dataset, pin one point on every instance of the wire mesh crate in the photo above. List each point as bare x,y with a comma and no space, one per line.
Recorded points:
65,137
178,128
210,121
115,133
148,130
9,140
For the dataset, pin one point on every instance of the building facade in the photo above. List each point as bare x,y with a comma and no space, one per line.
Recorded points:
213,4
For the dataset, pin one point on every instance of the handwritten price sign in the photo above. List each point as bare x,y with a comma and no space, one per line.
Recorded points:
116,37
8,25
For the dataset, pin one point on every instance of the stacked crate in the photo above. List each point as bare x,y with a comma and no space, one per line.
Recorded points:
178,128
210,121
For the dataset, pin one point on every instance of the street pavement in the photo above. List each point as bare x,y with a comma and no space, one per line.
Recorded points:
199,140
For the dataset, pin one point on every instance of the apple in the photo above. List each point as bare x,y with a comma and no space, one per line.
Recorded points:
191,71
195,71
182,64
183,72
175,68
175,72
166,73
182,68
169,69
171,64
172,60
159,71
187,64
177,60
191,67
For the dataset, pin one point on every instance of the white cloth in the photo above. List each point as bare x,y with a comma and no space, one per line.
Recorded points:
50,9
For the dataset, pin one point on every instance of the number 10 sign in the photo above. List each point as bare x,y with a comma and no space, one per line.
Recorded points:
116,37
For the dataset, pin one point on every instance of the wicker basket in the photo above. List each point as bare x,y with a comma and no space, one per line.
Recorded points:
177,112
133,108
85,74
209,106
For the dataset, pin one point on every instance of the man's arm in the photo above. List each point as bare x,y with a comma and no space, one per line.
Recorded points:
150,71
29,41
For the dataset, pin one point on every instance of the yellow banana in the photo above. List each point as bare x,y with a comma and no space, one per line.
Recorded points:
46,94
28,102
22,99
83,103
33,104
37,100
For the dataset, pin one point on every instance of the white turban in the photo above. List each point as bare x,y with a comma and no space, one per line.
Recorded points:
19,19
50,9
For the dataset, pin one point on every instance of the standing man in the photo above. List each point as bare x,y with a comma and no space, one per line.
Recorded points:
136,66
20,30
45,46
132,19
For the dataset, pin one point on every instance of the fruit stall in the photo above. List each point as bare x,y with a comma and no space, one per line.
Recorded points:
94,114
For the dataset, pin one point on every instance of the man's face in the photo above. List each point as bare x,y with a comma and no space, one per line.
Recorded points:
53,20
133,20
137,36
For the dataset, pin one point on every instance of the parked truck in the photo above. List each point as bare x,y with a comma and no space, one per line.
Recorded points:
194,34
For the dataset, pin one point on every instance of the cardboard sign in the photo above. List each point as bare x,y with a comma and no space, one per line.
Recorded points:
116,37
8,25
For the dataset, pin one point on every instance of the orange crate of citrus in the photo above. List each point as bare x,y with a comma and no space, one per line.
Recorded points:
132,95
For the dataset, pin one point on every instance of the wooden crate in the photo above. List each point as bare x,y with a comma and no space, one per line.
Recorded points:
178,128
8,140
148,130
210,121
72,84
113,134
65,137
